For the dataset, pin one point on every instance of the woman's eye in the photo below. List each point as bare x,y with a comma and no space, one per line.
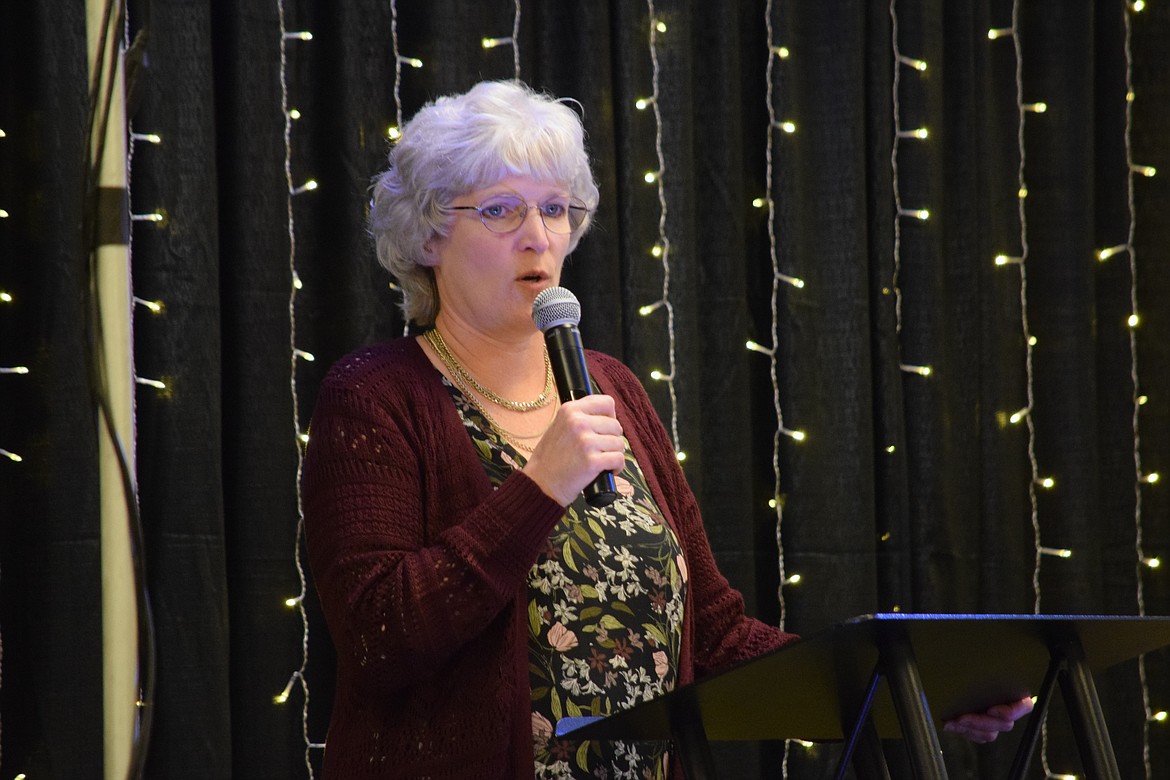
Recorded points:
554,209
497,210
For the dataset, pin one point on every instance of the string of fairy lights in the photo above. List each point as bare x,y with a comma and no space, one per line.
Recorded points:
775,52
900,135
1020,261
296,355
1143,562
661,248
5,299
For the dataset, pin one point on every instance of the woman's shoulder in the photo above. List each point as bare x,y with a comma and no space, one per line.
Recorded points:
611,368
387,371
396,358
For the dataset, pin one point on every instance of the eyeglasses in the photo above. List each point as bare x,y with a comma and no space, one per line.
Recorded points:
505,213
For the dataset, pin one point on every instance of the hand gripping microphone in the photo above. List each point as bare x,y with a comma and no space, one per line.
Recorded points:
556,312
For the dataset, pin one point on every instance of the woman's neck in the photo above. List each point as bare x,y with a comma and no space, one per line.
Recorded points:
511,365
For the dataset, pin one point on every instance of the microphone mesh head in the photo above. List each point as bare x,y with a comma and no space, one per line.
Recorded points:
555,306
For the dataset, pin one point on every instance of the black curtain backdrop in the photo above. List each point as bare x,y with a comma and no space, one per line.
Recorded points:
911,493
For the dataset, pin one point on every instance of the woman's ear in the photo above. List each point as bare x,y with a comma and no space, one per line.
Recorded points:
430,248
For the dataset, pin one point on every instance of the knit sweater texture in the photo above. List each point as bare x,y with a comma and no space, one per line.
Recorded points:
421,567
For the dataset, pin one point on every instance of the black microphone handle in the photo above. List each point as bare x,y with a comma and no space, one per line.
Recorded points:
572,377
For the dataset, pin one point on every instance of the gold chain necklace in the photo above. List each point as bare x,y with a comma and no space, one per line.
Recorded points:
515,439
435,339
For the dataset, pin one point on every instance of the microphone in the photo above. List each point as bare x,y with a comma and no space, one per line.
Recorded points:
557,312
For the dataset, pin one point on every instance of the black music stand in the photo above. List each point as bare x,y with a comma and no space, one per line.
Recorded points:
827,687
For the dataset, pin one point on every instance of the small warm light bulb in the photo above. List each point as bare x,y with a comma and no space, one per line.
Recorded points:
155,383
656,250
1148,171
680,456
304,437
660,26
794,435
781,52
650,177
292,601
1015,418
1151,478
1153,563
773,503
1057,552
294,113
393,133
1160,716
793,580
1108,252
1143,400
308,357
759,203
643,103
788,127
13,369
299,36
12,456
1022,193
891,449
296,281
1037,108
650,308
491,43
754,347
5,296
413,62
282,697
657,375
1138,6
155,307
996,34
1133,321
920,370
308,186
1047,483
1031,341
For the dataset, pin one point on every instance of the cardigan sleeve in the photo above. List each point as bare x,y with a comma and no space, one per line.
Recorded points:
724,634
413,553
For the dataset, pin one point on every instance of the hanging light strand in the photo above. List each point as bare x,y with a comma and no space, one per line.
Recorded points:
900,135
294,356
662,248
1142,562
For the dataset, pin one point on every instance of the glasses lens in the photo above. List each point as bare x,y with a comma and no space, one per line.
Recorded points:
563,215
503,213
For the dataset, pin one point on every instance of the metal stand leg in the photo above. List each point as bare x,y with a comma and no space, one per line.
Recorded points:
862,745
901,669
690,740
1027,747
1084,710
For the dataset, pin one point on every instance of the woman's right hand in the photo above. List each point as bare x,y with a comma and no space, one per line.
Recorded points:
584,439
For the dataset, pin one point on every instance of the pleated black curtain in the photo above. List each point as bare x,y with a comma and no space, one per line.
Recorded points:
910,492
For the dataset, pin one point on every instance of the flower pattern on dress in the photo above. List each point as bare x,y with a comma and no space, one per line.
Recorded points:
605,614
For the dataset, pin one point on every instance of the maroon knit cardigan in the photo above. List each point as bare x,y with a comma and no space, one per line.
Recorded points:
421,568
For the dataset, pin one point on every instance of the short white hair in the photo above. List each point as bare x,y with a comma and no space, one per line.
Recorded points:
458,144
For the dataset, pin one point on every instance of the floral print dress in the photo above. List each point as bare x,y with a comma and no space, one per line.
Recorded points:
605,615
